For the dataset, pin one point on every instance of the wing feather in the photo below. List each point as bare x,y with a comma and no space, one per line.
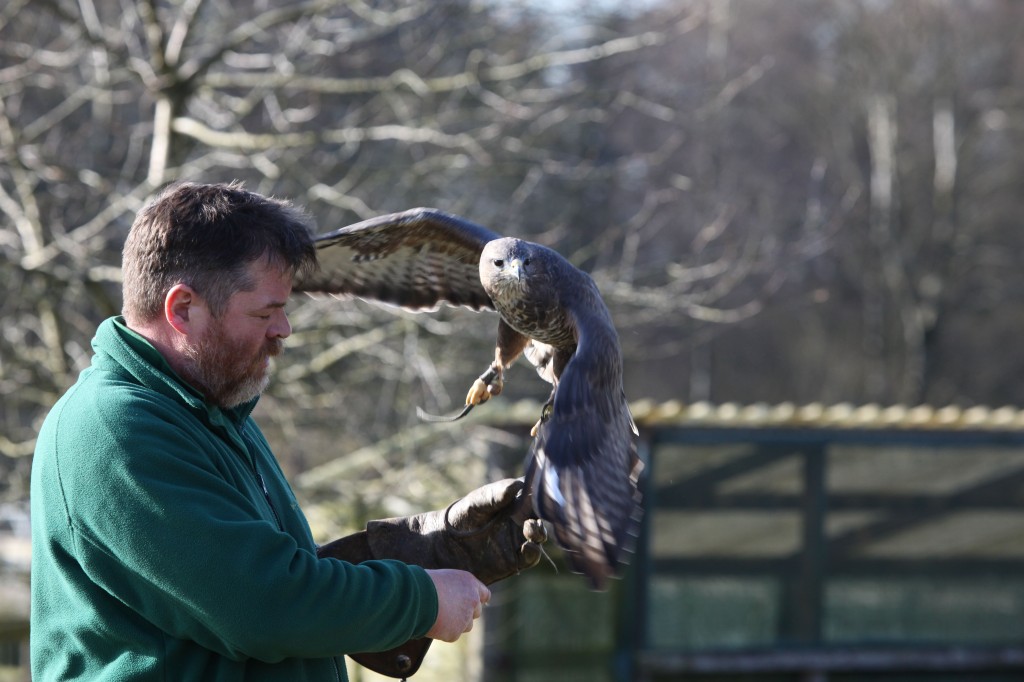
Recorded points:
416,259
583,470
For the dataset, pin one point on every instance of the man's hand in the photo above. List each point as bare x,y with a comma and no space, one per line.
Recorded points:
489,533
460,601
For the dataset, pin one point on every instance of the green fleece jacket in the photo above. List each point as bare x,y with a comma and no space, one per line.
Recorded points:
167,544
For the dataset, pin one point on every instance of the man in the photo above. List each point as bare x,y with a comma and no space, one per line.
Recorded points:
167,544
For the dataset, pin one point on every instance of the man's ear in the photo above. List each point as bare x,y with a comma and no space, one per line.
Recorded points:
180,308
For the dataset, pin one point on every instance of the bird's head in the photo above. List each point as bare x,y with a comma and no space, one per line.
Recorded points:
506,265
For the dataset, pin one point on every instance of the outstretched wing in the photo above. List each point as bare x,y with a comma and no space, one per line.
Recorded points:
583,469
415,259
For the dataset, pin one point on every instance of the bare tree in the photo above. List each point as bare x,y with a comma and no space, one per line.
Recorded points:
810,200
348,107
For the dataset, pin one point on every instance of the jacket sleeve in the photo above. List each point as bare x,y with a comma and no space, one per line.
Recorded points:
159,524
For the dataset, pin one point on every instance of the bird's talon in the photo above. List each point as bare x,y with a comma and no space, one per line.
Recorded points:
479,392
427,417
486,386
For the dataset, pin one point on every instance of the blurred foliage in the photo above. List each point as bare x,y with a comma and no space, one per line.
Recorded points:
799,200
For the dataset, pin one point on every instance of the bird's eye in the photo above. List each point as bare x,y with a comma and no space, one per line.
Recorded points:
498,263
526,261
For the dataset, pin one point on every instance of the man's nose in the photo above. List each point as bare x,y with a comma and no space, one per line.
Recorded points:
281,327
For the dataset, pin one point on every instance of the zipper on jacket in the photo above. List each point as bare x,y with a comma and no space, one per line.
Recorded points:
250,457
266,495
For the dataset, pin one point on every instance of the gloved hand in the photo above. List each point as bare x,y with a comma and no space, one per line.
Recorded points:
489,533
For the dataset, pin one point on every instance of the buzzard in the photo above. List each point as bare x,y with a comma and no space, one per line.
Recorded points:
582,471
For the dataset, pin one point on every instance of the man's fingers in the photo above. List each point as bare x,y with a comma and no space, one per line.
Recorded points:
461,598
483,596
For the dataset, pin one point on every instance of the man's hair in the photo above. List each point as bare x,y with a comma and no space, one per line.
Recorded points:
207,236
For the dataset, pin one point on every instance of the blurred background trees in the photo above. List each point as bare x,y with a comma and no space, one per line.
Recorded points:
809,200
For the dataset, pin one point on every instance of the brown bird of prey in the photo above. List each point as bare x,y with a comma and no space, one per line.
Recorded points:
582,470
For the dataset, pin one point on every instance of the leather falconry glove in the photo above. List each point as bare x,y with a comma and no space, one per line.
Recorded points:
483,533
490,533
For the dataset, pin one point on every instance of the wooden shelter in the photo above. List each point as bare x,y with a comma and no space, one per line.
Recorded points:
796,543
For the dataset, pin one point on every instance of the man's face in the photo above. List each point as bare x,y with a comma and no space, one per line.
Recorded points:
230,362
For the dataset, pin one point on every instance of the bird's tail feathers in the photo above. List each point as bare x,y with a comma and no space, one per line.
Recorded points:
593,506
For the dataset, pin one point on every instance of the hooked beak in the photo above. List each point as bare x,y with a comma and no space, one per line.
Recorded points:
515,268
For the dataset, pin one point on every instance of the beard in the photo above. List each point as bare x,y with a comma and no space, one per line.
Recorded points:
226,371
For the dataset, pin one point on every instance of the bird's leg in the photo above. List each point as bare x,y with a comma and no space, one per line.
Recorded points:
489,384
486,386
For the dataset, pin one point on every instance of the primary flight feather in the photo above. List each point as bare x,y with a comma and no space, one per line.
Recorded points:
583,468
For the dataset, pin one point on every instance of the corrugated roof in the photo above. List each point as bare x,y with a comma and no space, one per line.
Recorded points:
791,415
